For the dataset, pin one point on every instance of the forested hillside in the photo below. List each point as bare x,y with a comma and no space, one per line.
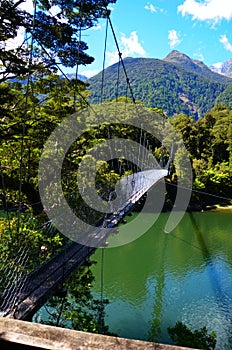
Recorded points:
176,84
226,97
33,101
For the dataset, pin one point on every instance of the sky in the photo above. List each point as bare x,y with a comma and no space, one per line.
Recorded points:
202,29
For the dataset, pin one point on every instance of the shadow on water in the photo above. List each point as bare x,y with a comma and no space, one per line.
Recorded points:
160,279
214,275
221,298
155,331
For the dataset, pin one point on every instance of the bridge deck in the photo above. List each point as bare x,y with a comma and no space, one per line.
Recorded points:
34,289
21,301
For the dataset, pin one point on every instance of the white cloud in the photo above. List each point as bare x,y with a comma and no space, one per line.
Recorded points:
11,44
112,57
174,40
27,6
54,10
199,56
89,72
213,10
97,27
150,8
129,46
225,41
18,40
110,7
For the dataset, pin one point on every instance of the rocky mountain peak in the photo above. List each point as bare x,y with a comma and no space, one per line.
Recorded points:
177,57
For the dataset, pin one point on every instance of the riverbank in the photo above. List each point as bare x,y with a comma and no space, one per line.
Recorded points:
193,206
199,206
223,207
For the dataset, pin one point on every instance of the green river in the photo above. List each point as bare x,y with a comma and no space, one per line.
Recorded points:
162,278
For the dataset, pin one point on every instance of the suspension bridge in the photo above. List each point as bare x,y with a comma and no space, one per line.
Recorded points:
23,299
24,295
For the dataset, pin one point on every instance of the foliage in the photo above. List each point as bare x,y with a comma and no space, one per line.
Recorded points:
78,308
225,97
171,87
50,99
29,113
31,110
209,145
184,336
11,19
25,243
53,30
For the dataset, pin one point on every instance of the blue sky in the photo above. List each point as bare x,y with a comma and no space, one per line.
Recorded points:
202,29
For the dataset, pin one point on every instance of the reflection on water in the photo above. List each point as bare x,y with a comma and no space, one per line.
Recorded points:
162,278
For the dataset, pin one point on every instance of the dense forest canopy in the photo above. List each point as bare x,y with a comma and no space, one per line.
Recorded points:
33,101
30,111
166,84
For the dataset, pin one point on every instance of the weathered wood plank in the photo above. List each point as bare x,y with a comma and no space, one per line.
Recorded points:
54,338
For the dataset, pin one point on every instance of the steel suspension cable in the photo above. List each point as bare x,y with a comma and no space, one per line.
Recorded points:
104,60
62,72
78,56
5,200
25,117
120,56
201,192
22,147
118,77
102,292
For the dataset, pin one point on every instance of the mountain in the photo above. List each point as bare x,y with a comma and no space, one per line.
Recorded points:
224,68
73,76
175,84
192,65
63,76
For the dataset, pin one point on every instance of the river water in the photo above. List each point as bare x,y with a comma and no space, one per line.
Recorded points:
162,278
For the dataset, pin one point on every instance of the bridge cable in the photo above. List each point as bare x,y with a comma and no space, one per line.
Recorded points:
127,78
22,147
25,113
118,79
196,247
125,72
119,161
4,200
101,292
109,194
120,56
63,73
78,55
104,60
71,151
201,192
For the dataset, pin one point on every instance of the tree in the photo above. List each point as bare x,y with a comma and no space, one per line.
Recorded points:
53,30
12,61
23,250
184,125
76,306
49,101
184,336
